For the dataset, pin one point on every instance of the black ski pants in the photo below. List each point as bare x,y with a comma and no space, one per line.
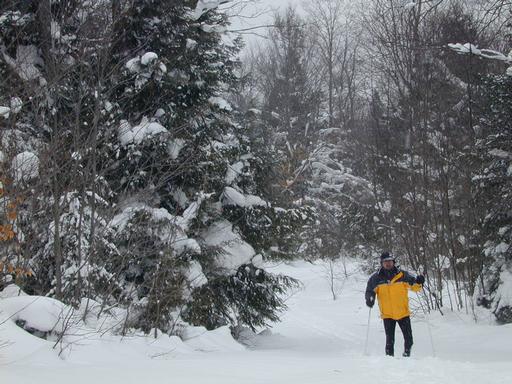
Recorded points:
405,326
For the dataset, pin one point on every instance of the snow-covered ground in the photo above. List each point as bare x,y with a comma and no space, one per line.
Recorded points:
318,341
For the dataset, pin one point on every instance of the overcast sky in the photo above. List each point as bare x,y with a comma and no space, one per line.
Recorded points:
259,14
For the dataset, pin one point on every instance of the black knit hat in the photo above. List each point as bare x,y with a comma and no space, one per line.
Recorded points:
386,256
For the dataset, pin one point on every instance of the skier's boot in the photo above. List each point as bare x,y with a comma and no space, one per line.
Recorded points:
406,353
389,351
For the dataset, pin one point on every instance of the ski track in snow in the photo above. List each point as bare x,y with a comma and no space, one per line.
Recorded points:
318,341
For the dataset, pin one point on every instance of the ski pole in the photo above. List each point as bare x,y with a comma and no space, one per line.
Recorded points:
428,326
367,332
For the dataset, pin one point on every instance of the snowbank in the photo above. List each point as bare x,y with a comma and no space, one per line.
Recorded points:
217,340
11,290
46,330
42,315
320,340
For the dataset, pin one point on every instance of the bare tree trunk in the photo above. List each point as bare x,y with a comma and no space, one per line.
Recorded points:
57,248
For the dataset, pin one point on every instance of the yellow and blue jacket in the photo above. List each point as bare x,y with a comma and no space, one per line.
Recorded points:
391,288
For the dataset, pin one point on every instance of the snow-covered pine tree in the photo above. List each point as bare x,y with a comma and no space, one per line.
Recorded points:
178,169
52,63
138,184
344,202
291,96
493,191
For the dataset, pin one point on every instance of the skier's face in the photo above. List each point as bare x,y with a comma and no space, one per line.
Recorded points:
388,264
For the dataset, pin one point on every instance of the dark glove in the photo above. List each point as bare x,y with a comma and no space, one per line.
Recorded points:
420,279
370,301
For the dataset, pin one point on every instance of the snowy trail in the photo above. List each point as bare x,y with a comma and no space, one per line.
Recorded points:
318,341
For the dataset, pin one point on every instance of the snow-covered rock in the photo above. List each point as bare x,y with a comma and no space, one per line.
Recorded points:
35,313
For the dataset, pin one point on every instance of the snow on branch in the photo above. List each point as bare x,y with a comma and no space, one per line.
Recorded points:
468,48
463,49
4,112
205,5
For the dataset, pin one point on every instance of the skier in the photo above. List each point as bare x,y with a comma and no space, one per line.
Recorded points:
390,284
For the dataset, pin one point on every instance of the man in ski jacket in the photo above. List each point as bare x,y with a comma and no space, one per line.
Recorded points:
391,286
